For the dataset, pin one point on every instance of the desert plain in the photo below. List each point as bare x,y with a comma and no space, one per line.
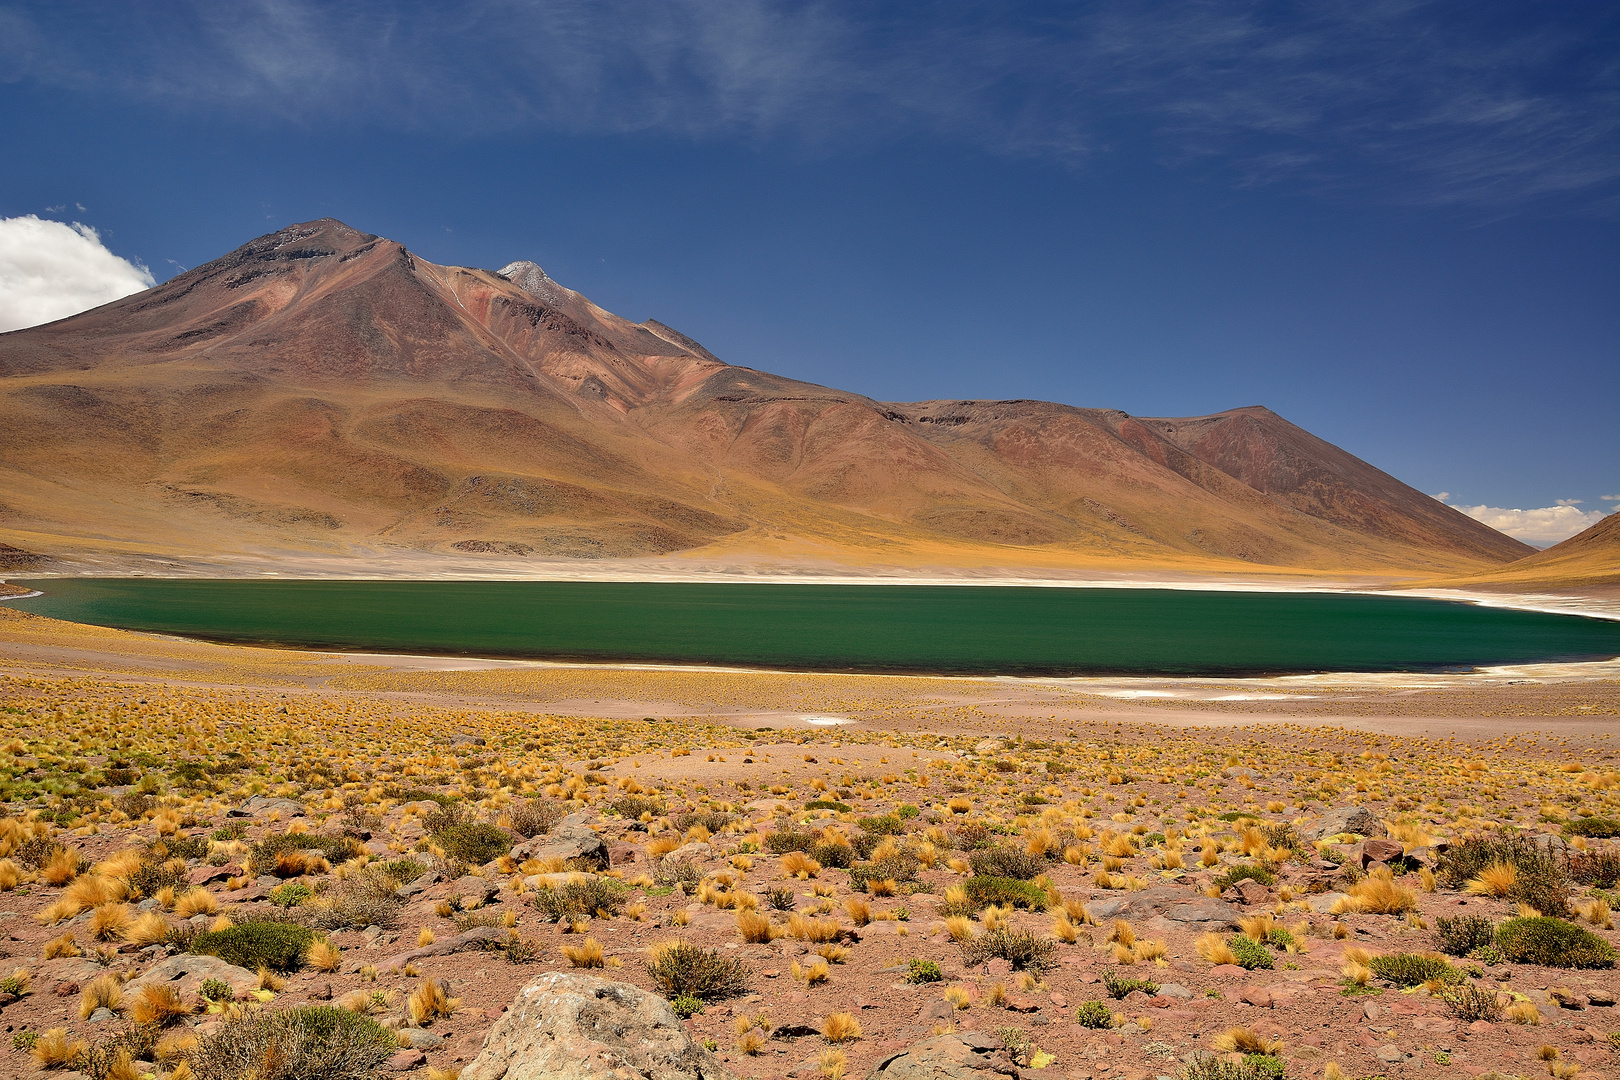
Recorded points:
824,875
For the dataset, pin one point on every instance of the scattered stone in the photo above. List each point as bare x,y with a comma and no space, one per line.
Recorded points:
1390,1054
420,1038
405,1061
1380,850
411,888
477,938
1253,892
565,842
565,1026
264,804
186,973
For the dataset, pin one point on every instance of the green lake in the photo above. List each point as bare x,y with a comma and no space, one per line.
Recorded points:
897,628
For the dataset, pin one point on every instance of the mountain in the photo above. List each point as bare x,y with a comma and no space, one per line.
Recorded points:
323,392
1589,558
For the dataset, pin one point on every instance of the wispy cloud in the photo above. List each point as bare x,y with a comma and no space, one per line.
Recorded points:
1484,105
1540,527
50,270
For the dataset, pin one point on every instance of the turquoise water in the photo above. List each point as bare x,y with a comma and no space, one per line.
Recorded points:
917,628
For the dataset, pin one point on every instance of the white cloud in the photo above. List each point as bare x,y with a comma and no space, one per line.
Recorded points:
50,270
1538,528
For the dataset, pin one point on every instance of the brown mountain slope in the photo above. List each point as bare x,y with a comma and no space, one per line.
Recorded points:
322,390
1589,558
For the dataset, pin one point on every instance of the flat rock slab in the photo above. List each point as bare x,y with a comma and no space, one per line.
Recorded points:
478,937
1174,905
965,1055
564,1026
187,973
1355,820
264,804
566,842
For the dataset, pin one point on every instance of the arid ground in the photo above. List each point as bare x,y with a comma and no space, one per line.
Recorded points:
1282,864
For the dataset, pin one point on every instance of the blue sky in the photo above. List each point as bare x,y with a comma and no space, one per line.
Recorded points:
1393,222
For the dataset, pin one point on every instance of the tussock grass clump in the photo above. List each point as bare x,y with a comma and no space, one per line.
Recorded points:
712,820
680,968
1023,949
1212,1067
1006,862
308,1043
1462,934
582,896
1552,942
255,945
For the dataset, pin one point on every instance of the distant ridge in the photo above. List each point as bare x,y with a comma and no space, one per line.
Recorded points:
322,391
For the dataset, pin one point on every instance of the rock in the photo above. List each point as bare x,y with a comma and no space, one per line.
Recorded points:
565,842
1253,892
405,1061
264,804
419,1038
65,989
463,739
1435,1025
620,854
207,875
936,1009
695,850
1023,1005
1237,771
989,746
1380,850
411,888
1167,903
102,1015
565,1026
1258,996
187,973
1174,990
965,1055
1390,1053
1603,999
1346,819
479,937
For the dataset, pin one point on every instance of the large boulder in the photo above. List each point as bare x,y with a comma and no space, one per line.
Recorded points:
1357,820
1171,904
187,973
964,1055
564,1026
566,842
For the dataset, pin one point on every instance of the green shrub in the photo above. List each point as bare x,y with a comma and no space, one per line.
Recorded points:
262,855
1468,1003
838,856
1461,935
536,817
252,945
290,894
780,843
1602,828
216,990
1265,1066
1551,942
686,1006
179,847
1119,985
713,820
1278,938
1004,892
683,968
581,896
1006,862
16,984
474,842
923,971
151,878
1249,952
1204,1066
1245,872
827,804
1541,881
402,870
885,825
1093,1014
312,1042
1413,969
898,868
1022,949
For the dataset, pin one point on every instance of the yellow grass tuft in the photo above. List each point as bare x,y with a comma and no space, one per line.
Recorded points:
158,1005
754,928
587,954
102,992
1245,1041
1497,879
841,1027
1213,947
429,1000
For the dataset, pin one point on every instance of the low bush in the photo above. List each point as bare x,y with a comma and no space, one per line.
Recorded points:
313,1042
1022,949
401,870
633,807
1119,985
1463,934
983,891
474,842
682,968
1205,1066
1600,869
1250,953
1539,880
1093,1014
1245,872
262,855
923,971
884,825
897,868
1598,827
827,804
686,1006
971,836
216,990
535,817
252,945
1552,942
780,843
1468,1003
363,898
1413,969
713,820
780,899
1006,862
841,856
581,896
